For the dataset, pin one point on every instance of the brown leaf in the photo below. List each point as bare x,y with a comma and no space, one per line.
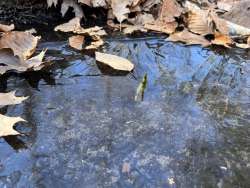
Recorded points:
188,38
76,42
6,125
6,28
222,40
147,5
239,13
133,28
221,25
76,8
159,26
10,99
95,44
70,26
199,22
10,62
120,9
170,10
116,62
139,21
75,27
23,44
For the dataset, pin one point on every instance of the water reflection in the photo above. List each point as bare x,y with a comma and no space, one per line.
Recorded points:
192,127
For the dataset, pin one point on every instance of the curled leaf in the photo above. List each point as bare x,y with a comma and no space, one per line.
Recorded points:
7,123
10,98
23,44
116,62
188,38
76,42
6,28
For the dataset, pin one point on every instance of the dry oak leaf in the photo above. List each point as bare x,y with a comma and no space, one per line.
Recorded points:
188,38
222,40
8,61
74,26
199,22
239,13
7,123
162,27
138,23
95,44
115,62
76,8
10,99
147,5
76,42
170,10
120,9
6,28
23,44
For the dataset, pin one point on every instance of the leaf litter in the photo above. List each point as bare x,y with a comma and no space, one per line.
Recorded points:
6,122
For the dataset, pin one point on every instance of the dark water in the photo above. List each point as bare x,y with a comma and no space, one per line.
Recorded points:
85,129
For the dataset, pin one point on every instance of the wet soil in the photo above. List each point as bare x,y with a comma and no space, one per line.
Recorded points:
85,129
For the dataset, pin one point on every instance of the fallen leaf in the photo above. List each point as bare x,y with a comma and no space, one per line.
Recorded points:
120,9
116,62
52,2
75,27
239,13
244,45
199,22
99,3
222,40
10,99
76,42
188,38
159,26
220,24
147,5
133,28
6,28
139,21
8,61
170,10
23,44
166,22
225,4
7,123
96,43
70,26
76,8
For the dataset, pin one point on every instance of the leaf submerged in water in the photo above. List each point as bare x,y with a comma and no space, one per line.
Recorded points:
141,88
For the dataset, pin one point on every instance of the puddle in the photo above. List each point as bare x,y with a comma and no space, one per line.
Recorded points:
85,130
